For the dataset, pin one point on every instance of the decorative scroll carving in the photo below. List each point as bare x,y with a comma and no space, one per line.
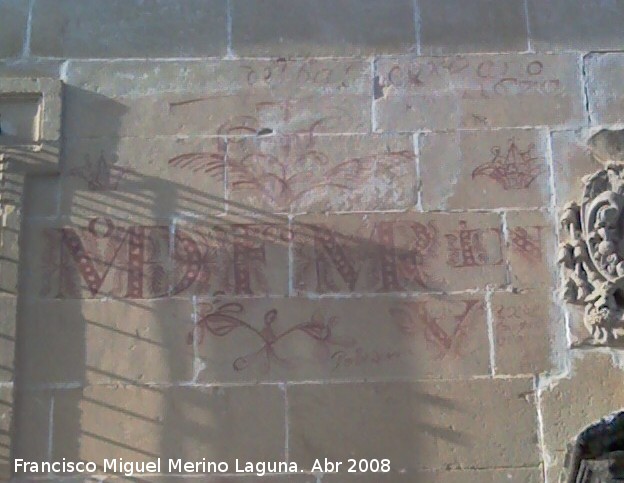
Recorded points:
593,257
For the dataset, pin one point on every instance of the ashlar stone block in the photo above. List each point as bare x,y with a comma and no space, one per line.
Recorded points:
523,325
477,92
484,169
298,339
416,425
242,97
191,423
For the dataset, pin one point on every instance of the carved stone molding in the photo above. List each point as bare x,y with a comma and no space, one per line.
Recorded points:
30,136
592,259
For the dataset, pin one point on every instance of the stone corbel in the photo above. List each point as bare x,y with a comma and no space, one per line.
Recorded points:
30,137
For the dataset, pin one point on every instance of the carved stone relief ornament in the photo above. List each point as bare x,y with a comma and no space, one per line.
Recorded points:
592,259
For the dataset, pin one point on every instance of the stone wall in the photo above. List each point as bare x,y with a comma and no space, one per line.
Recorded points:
282,230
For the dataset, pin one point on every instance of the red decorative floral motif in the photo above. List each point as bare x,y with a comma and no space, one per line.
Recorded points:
220,319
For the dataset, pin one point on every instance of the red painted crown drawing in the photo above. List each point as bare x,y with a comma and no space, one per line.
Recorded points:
100,175
514,170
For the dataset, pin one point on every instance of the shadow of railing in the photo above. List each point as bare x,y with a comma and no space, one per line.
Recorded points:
116,372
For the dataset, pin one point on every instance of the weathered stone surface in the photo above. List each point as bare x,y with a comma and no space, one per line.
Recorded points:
301,340
605,90
182,247
32,416
477,91
219,114
233,256
322,173
583,25
6,417
531,249
572,161
351,27
122,28
240,97
13,18
41,196
468,423
591,391
484,169
398,253
523,324
452,26
8,308
426,425
71,341
503,475
142,178
283,77
191,423
389,411
151,335
10,243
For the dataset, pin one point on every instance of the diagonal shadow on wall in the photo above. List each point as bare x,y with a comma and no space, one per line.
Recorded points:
113,372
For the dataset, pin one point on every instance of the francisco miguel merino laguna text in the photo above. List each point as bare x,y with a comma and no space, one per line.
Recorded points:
131,468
